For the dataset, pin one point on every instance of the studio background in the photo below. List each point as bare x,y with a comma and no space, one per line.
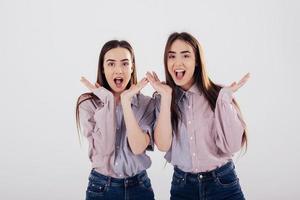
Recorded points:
46,46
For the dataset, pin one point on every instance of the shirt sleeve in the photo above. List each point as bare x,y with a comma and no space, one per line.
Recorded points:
147,122
87,124
229,124
98,124
157,103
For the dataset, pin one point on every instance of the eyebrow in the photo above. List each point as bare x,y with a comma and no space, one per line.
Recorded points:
182,52
108,60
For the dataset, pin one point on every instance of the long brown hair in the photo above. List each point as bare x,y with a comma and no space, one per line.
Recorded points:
101,80
203,82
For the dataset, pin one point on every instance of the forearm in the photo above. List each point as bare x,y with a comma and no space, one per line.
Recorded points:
229,123
137,139
163,129
105,121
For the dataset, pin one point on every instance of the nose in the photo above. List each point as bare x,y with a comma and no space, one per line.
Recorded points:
118,69
178,62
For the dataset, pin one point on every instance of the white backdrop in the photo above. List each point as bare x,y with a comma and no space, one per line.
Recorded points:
47,45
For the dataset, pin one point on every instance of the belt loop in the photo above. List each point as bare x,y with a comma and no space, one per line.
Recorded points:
108,181
184,177
214,173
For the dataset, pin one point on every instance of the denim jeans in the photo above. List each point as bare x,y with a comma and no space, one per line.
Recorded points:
221,183
101,187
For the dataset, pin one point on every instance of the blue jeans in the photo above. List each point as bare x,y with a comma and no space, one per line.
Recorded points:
101,187
221,183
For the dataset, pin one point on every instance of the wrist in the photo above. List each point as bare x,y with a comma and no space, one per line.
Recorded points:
166,97
125,101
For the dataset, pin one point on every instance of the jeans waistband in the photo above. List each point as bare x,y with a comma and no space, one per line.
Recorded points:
210,174
119,182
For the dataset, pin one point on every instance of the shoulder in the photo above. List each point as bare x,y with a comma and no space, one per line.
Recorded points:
143,98
88,101
144,101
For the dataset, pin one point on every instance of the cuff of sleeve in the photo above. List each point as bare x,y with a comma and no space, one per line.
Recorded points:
103,94
148,131
226,95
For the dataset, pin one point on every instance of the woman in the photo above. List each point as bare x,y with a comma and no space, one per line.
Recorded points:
117,121
199,124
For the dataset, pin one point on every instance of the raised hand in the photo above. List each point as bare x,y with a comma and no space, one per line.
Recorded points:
162,88
134,89
88,84
235,86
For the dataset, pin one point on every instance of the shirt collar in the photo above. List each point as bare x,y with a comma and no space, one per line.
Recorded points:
194,89
180,93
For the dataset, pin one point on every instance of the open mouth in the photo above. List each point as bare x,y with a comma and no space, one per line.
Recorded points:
179,73
118,81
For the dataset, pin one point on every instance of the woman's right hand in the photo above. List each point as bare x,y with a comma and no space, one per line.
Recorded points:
163,89
88,84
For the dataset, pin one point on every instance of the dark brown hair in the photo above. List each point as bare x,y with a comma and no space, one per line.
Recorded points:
101,80
203,82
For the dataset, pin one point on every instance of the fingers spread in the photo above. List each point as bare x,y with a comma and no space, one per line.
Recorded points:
244,80
150,77
87,83
155,76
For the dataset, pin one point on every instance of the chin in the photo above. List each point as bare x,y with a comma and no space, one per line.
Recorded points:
180,83
118,90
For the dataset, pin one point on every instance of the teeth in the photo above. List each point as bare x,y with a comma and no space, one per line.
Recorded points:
179,73
179,70
118,80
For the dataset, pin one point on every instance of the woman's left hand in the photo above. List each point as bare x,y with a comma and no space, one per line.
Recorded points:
133,90
235,86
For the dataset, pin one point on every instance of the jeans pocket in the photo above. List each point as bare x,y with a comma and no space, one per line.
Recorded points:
146,184
96,188
177,180
227,179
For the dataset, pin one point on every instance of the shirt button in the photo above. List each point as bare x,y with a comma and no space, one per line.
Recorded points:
116,163
191,137
120,175
196,169
189,107
194,154
189,122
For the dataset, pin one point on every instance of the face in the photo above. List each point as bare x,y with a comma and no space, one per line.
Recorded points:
118,67
181,64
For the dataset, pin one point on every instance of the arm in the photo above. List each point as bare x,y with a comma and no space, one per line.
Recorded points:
229,123
100,120
137,139
163,128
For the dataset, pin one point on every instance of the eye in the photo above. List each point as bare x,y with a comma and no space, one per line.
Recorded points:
171,56
125,64
111,64
186,56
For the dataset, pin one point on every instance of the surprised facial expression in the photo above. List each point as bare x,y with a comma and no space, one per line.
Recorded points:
181,64
118,67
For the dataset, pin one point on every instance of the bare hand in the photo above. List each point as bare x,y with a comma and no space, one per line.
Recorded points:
162,88
88,84
235,86
133,90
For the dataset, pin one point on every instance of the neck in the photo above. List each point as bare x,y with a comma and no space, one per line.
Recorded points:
187,86
117,98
